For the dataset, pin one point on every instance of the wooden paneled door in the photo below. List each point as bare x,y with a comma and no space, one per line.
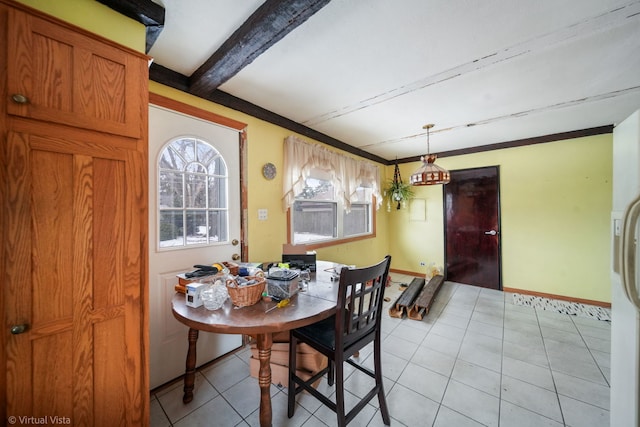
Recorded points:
73,122
73,299
472,227
68,77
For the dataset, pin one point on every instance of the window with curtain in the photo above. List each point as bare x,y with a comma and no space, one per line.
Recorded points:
192,195
330,196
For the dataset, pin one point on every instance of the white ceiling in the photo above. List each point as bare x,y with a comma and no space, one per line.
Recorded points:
371,73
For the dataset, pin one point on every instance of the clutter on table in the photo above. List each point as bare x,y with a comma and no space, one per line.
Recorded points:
211,285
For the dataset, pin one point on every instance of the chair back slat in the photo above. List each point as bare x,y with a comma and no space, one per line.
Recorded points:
360,299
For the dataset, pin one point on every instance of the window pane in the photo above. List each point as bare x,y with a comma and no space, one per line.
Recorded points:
192,194
356,221
196,227
171,225
217,167
170,190
196,191
205,153
211,160
313,221
185,147
218,226
217,192
171,160
195,168
317,189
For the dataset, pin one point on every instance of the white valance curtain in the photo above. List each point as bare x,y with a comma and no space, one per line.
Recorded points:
347,173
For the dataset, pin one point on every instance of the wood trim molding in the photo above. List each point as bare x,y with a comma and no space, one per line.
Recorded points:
328,244
520,142
407,272
244,197
524,291
560,297
174,105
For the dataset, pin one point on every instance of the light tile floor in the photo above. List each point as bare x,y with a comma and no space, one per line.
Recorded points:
475,360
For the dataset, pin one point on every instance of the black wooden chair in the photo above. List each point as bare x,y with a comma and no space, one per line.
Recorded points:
355,324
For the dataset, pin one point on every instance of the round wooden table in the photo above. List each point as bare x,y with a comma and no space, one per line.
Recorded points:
317,303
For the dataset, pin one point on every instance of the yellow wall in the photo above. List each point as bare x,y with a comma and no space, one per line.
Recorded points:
555,208
266,144
95,17
555,197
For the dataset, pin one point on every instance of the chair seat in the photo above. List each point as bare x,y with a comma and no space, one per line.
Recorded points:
320,335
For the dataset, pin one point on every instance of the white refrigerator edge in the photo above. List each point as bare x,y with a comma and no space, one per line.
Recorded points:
625,302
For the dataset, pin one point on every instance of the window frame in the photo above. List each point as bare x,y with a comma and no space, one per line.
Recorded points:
338,240
186,210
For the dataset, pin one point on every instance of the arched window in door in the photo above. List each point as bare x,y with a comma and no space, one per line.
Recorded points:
192,195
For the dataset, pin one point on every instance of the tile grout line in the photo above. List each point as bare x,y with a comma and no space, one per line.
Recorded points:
504,308
553,378
591,354
527,382
444,392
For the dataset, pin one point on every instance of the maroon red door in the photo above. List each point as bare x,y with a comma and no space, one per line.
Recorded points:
472,227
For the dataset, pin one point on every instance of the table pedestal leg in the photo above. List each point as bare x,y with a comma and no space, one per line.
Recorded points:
264,342
190,371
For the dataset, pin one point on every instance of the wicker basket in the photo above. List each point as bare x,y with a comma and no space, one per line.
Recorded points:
243,296
232,266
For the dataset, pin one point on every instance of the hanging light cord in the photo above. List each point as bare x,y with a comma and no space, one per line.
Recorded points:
428,127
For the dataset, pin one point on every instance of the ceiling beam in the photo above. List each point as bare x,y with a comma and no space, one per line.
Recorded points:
273,20
144,11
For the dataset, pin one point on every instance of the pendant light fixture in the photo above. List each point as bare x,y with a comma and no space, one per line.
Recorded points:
430,173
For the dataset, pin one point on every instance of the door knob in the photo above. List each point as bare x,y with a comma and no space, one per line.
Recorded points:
19,329
491,232
19,98
235,257
235,242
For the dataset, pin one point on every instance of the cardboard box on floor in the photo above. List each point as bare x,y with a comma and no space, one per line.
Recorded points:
307,358
279,373
309,361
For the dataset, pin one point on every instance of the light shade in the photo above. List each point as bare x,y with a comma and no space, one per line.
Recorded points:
430,173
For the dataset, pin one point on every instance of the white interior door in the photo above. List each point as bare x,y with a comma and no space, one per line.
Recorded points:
168,337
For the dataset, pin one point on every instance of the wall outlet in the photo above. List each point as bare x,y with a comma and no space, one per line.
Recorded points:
263,214
422,264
